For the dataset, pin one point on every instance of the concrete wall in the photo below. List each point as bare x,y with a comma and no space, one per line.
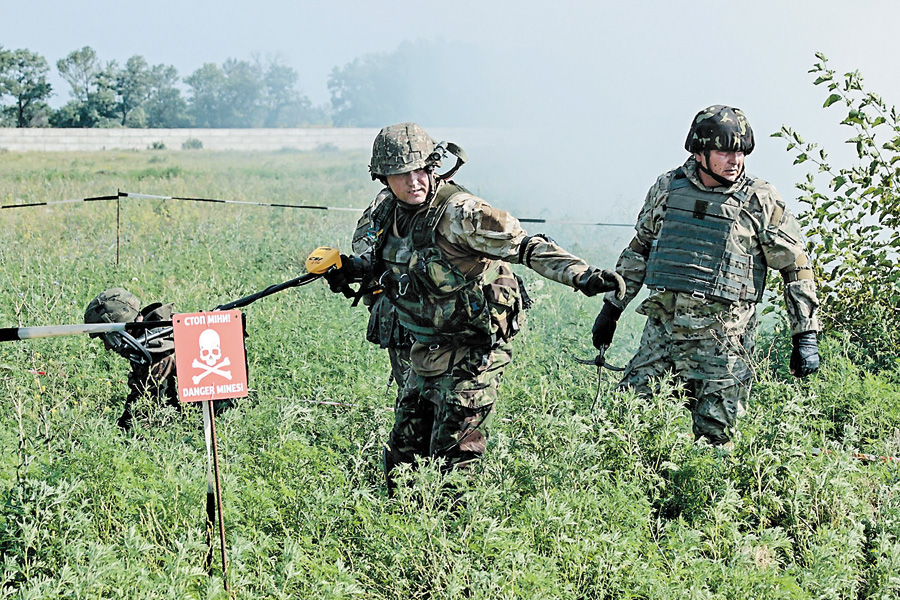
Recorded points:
79,140
55,140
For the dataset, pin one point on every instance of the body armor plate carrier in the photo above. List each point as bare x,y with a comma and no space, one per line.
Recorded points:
695,253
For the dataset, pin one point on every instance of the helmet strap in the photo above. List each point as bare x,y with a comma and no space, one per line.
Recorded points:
461,159
432,186
721,180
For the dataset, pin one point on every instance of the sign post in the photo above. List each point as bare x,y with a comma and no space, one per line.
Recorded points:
211,364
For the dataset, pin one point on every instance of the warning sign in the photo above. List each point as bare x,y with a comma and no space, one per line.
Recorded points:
209,355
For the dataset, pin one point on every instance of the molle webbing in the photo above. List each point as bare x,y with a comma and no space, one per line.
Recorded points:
692,254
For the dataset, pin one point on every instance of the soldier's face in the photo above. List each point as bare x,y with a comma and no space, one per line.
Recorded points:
729,165
411,188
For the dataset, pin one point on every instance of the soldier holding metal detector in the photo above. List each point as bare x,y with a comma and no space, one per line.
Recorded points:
152,363
706,236
441,256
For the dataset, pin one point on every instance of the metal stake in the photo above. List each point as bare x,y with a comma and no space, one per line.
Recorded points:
213,487
118,226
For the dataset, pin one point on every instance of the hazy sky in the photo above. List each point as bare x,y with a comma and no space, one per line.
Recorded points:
608,87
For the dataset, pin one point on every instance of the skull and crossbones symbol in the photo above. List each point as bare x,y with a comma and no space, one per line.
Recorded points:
210,353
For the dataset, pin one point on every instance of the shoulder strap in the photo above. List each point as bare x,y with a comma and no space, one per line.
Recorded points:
381,214
745,190
679,180
424,228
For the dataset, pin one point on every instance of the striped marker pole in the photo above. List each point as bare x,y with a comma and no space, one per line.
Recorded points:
14,334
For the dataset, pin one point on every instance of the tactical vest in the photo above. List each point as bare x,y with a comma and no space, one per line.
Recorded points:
695,251
435,301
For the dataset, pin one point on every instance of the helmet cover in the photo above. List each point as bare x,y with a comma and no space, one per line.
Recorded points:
115,305
720,127
402,148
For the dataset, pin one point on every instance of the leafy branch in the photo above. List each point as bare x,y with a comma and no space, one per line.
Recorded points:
852,217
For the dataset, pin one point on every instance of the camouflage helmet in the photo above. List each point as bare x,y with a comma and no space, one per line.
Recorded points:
402,148
719,127
115,305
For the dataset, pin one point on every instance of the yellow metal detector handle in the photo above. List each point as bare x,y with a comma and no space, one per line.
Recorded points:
323,259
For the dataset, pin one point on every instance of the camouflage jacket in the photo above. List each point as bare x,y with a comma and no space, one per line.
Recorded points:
765,228
476,239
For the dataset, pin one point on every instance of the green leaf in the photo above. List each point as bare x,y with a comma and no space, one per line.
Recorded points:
831,100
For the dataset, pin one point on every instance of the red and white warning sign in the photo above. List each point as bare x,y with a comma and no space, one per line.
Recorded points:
209,355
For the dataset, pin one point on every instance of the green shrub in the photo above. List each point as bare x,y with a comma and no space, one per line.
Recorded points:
192,144
853,217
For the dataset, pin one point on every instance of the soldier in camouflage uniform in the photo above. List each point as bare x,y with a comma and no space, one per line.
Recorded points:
442,258
706,235
153,372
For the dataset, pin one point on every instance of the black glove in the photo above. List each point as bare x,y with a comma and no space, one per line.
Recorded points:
805,355
352,270
605,325
595,280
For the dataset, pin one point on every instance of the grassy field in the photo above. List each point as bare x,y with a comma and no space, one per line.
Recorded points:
570,502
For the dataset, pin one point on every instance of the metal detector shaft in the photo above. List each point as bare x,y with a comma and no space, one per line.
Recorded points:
272,289
11,334
240,302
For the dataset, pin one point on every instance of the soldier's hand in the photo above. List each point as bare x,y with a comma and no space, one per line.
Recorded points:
805,354
595,280
352,270
337,282
605,325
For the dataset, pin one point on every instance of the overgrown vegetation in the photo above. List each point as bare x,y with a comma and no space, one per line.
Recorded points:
852,215
569,503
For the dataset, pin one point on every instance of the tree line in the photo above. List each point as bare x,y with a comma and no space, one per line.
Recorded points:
370,91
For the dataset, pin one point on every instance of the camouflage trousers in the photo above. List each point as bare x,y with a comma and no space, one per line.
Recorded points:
715,372
448,416
400,365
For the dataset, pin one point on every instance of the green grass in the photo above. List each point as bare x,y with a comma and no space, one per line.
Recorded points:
569,503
